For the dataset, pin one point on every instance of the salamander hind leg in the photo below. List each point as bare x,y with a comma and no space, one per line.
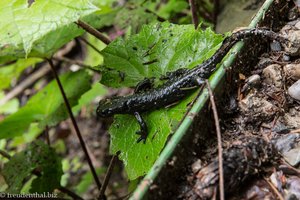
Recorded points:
195,82
143,132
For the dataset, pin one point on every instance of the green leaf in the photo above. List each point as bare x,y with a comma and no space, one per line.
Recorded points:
133,17
93,58
47,106
11,72
139,157
96,90
172,6
174,47
38,156
10,106
159,48
27,137
22,25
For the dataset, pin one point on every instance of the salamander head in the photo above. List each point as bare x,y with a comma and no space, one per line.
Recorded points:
109,107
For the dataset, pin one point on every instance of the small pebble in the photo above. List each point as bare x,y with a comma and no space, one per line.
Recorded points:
286,57
251,82
297,25
272,75
285,143
293,71
196,166
292,156
293,48
294,90
275,46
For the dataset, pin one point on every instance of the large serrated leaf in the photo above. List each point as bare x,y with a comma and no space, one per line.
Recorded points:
38,156
159,48
47,106
138,157
165,47
22,25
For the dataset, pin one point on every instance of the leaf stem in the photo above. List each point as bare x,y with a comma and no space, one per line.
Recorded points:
107,175
74,62
90,44
215,12
47,136
93,31
194,13
5,154
70,193
82,143
220,149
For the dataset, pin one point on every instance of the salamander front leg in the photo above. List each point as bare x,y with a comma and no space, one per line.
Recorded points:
144,85
143,132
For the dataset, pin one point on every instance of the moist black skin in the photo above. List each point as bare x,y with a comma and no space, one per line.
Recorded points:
179,84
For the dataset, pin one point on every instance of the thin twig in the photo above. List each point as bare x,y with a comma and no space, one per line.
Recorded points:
93,31
274,189
47,135
216,12
70,193
159,18
25,83
194,13
5,154
220,150
107,175
295,131
90,44
37,173
82,143
74,62
8,63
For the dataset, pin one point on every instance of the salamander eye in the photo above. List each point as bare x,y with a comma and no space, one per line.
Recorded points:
102,113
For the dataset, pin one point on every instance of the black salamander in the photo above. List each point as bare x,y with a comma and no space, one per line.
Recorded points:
179,85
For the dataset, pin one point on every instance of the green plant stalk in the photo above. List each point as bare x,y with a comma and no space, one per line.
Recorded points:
198,105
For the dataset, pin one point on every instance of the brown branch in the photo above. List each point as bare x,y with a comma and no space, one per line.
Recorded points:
47,136
220,150
5,154
216,12
70,193
107,176
295,131
194,13
82,143
274,189
74,62
25,83
93,31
